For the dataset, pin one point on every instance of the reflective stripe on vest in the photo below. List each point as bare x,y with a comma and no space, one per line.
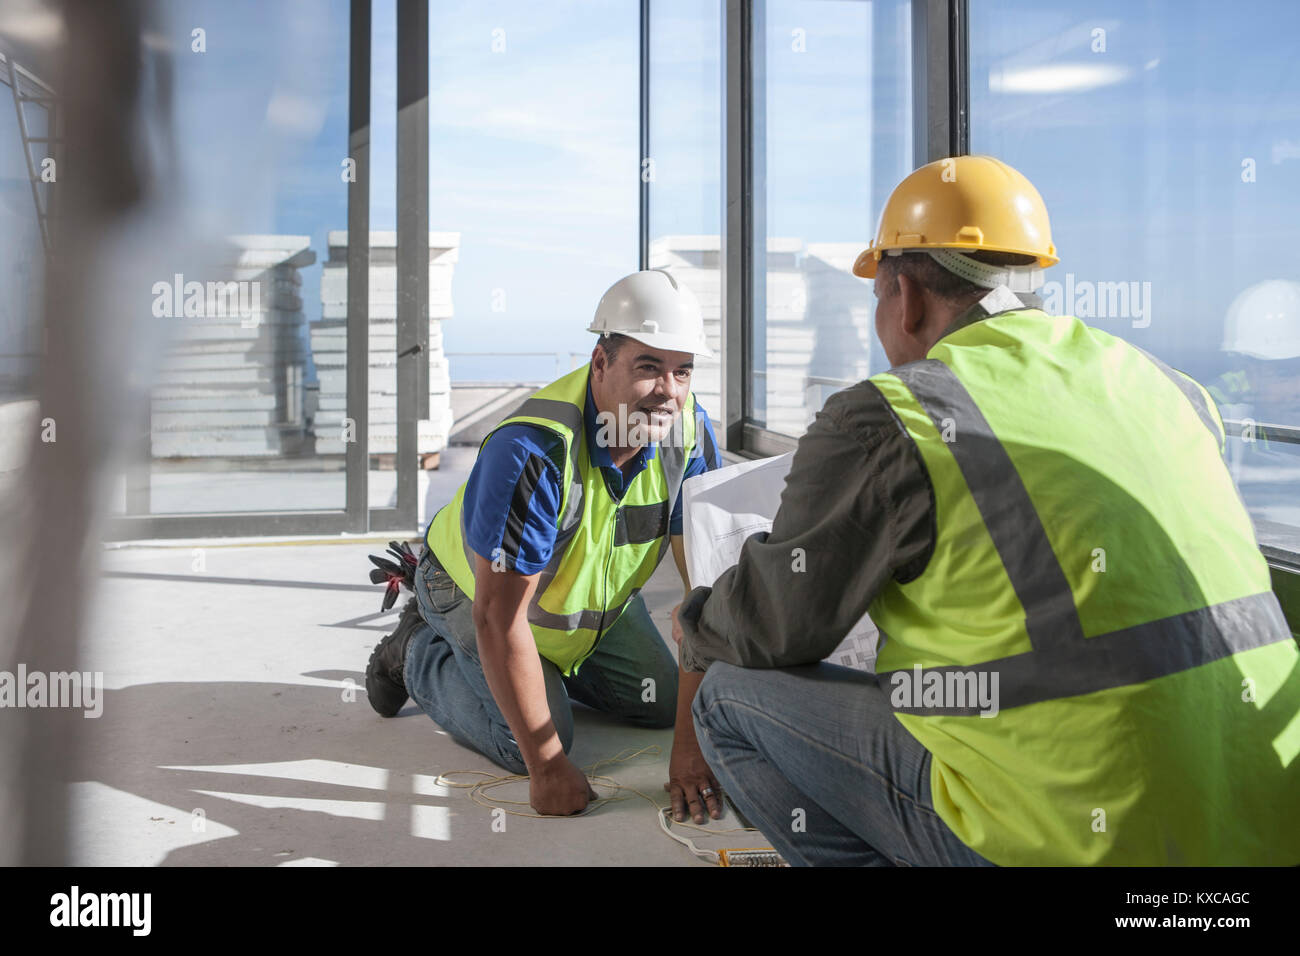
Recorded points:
1063,662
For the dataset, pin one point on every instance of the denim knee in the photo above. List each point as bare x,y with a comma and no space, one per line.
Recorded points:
707,694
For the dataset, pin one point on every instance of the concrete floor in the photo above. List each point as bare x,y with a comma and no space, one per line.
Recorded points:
230,734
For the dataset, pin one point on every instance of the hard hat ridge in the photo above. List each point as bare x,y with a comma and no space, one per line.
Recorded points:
654,308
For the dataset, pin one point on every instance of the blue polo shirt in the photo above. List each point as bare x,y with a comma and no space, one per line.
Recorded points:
513,495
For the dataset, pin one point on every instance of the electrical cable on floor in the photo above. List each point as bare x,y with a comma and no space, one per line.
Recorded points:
478,794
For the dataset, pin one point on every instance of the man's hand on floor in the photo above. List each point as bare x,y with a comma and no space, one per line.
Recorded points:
559,788
691,783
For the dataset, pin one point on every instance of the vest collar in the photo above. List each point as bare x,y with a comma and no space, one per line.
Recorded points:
980,310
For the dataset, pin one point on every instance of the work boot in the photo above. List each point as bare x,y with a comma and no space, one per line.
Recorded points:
385,681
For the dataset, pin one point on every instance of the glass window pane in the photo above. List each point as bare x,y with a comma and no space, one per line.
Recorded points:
684,165
1163,138
835,84
533,142
381,485
22,247
259,114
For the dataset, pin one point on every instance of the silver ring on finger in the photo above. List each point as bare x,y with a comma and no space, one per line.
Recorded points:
706,792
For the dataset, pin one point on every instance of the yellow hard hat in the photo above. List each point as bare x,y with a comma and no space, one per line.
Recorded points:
974,203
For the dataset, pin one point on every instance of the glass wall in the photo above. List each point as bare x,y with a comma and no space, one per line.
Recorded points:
684,165
1165,139
533,142
22,247
229,404
833,137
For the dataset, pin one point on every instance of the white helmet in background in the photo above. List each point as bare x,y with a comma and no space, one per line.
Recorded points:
656,310
1263,321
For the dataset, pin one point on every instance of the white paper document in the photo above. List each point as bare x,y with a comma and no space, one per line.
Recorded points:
722,508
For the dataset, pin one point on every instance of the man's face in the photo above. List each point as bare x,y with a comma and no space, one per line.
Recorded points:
1275,387
642,385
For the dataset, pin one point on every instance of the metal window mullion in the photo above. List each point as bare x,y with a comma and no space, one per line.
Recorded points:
755,339
643,235
762,442
736,258
932,120
958,78
412,251
358,334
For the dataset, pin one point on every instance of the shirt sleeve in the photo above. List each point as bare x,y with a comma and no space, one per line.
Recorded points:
857,508
706,457
512,497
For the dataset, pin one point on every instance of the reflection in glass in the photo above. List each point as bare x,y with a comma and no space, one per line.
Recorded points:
1174,191
837,92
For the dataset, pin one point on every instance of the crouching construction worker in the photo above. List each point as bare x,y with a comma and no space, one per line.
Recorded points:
527,590
1082,660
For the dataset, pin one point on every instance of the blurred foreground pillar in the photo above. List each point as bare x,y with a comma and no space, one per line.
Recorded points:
51,532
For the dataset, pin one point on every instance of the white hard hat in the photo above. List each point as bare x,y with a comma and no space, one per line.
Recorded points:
656,310
1263,321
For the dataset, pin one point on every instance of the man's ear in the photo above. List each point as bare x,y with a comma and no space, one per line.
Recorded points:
911,306
598,363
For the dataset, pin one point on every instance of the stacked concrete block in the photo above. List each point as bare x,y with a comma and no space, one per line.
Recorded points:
843,303
816,325
230,382
844,310
694,261
791,335
329,344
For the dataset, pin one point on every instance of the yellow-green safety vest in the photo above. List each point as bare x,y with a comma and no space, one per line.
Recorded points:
1094,558
605,550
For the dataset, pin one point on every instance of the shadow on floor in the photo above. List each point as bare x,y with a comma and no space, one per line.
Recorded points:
237,749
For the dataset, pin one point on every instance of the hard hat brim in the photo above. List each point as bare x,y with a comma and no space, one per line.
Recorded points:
666,341
865,265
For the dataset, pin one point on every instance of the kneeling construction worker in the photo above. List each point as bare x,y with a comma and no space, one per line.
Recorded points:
527,592
1082,660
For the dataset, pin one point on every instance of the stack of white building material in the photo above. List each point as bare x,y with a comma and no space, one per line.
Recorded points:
329,344
816,326
831,277
230,383
844,310
694,262
791,336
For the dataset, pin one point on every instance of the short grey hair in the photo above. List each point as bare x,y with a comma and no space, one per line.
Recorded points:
612,343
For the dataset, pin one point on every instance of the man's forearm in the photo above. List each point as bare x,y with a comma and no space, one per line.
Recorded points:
856,508
688,682
514,675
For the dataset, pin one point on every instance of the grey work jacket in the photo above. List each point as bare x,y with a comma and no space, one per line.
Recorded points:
859,503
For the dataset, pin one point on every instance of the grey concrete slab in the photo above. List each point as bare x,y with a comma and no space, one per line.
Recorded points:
235,729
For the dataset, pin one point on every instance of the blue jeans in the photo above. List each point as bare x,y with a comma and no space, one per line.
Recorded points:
815,758
444,675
